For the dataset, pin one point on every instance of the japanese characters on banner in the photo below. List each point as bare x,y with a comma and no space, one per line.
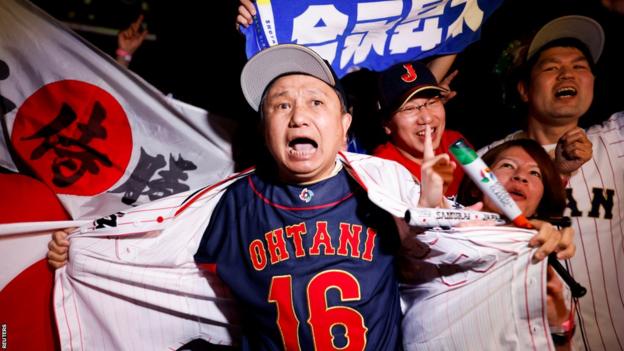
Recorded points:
98,135
367,33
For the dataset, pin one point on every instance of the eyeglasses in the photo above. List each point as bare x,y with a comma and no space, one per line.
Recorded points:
415,110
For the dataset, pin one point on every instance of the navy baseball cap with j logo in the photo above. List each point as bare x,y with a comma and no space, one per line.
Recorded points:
399,83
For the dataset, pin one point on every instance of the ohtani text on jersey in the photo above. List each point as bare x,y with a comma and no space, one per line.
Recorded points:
273,248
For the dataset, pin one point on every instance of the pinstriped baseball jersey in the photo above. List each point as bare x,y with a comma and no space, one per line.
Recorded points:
132,283
596,206
473,288
307,264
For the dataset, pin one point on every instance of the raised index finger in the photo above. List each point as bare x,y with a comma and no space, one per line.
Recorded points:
428,153
137,24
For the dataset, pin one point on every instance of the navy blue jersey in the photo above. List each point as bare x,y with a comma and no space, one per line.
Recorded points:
311,265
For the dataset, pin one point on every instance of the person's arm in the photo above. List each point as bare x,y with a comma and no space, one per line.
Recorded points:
440,65
129,40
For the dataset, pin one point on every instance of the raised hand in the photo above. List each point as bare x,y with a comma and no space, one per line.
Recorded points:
432,183
246,11
130,39
572,151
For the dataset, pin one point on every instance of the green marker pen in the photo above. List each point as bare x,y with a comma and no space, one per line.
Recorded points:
485,179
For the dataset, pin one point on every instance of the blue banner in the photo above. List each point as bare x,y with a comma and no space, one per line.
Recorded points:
369,34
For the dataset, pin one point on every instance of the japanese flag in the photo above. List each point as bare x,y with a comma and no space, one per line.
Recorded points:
101,137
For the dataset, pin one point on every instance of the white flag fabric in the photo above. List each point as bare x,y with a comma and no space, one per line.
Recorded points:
100,136
15,238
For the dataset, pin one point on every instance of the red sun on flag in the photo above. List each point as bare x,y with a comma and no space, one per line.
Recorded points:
75,136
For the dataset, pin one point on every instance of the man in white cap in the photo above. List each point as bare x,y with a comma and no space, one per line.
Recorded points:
557,85
307,255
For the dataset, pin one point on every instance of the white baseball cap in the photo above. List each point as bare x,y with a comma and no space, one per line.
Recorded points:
279,60
585,29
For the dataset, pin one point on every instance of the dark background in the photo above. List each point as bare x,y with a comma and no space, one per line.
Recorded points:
198,55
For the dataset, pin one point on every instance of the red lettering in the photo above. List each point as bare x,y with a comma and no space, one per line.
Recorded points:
369,246
351,238
295,232
322,237
257,254
276,245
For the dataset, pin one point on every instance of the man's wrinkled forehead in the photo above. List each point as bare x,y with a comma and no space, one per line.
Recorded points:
316,86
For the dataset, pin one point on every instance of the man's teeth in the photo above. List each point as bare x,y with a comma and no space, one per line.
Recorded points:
303,145
568,91
422,132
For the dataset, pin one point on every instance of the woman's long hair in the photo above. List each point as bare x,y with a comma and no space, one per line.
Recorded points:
553,201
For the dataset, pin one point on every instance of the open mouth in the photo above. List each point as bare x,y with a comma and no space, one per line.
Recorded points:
565,92
422,132
517,195
302,146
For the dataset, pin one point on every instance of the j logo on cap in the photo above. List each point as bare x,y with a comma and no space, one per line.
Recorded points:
411,75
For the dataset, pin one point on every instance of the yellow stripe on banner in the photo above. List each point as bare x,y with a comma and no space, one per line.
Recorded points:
263,2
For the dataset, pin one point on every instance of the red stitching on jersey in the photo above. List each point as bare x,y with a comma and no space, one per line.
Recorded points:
542,290
604,283
153,209
78,319
210,267
282,207
352,171
526,300
201,193
65,311
613,246
484,270
589,278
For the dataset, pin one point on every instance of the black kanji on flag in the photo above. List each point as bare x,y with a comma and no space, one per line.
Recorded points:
74,156
141,183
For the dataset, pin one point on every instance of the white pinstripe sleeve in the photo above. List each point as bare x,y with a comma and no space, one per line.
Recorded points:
132,284
474,288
